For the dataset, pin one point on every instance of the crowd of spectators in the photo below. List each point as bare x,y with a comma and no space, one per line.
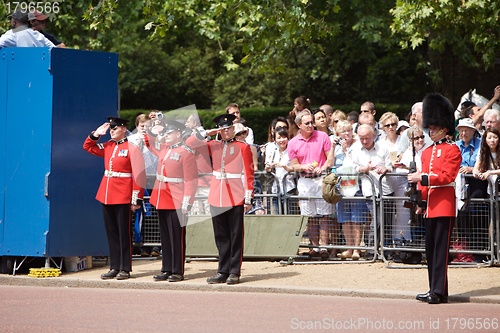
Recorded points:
305,145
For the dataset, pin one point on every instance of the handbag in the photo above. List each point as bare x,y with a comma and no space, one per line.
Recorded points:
330,188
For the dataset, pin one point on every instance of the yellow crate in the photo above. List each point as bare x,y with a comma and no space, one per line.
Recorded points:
44,272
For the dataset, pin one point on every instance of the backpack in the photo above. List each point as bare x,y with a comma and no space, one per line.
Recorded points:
330,188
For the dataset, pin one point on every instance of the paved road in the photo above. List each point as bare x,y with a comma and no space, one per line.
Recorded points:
96,310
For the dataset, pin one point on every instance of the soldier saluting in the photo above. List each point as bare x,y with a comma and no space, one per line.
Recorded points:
173,194
121,191
231,192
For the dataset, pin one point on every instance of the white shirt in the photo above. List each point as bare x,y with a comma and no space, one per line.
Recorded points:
150,160
378,155
249,139
24,36
273,155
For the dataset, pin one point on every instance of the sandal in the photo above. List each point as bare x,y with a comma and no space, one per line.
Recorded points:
344,255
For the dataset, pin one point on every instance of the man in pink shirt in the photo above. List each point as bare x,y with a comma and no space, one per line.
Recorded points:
309,152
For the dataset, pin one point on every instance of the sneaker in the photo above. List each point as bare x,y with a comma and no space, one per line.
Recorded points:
313,253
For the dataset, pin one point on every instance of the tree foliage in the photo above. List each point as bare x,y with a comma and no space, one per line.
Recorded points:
470,28
261,52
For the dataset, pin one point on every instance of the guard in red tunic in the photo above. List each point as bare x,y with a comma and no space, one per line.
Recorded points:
173,195
440,165
231,192
121,191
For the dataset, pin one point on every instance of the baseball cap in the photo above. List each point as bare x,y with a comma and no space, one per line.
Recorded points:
39,16
19,15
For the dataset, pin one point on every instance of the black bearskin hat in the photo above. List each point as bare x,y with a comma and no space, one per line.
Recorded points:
437,110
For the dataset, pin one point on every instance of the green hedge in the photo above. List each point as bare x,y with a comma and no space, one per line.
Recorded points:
260,118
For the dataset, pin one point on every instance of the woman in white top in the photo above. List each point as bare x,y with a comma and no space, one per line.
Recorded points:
416,135
389,123
351,214
279,164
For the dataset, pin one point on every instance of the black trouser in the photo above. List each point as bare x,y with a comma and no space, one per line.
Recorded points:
228,232
117,224
437,247
173,240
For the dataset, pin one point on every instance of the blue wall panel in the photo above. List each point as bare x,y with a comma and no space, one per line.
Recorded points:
27,152
86,86
53,101
3,126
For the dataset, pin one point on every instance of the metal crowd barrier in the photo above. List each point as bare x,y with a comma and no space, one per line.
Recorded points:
388,231
403,234
364,207
496,218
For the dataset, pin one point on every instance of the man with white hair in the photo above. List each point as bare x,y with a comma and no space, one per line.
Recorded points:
492,119
21,35
372,159
480,116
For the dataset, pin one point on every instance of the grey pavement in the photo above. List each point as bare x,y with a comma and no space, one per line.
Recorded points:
360,279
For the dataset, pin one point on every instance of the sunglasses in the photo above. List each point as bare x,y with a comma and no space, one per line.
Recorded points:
308,123
241,133
390,125
418,137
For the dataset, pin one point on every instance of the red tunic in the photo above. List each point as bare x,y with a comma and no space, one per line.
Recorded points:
178,177
123,180
233,172
440,163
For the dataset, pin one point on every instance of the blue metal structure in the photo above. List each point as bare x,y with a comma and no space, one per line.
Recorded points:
49,102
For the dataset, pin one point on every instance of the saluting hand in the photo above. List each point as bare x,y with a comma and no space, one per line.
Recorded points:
213,131
102,130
